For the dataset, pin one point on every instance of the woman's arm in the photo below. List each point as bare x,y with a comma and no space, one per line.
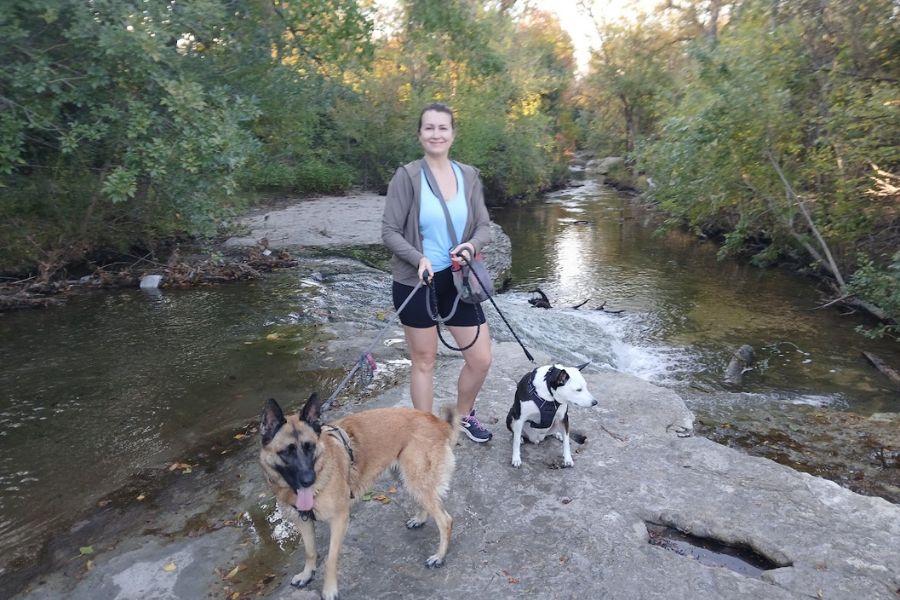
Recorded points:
400,196
481,236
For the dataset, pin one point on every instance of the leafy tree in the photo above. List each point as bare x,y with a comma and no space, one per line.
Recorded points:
125,123
630,81
107,138
760,123
498,70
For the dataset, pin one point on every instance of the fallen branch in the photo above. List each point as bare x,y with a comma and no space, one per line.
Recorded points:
542,302
740,363
611,312
579,305
791,196
887,371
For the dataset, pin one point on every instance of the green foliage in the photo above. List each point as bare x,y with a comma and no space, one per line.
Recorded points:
109,127
880,286
507,79
754,105
629,85
123,124
763,128
312,176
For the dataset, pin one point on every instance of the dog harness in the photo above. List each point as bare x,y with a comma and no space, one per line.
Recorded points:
343,437
548,408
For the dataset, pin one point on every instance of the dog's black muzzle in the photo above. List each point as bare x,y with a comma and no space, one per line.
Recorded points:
298,467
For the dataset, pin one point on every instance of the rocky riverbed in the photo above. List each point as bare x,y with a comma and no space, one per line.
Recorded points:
215,532
591,531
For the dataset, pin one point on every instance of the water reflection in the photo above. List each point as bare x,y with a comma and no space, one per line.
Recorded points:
112,383
685,311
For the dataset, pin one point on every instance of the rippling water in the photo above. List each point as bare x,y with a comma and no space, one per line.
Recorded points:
113,383
685,312
116,382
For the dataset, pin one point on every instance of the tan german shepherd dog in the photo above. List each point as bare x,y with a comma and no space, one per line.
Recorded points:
316,470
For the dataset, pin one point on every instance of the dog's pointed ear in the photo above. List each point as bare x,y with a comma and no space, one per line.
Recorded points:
270,421
581,367
556,378
312,409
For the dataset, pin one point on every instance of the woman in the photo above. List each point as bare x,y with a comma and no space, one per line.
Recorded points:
414,228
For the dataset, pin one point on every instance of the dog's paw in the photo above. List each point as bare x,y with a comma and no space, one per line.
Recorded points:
566,464
301,579
434,562
330,595
517,462
414,523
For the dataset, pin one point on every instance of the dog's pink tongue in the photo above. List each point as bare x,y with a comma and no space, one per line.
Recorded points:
304,499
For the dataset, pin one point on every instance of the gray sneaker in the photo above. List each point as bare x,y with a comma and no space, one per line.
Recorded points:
474,429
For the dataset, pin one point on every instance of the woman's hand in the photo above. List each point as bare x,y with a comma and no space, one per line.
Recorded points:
425,267
465,249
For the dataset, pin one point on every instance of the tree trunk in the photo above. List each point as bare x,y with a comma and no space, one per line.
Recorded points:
887,371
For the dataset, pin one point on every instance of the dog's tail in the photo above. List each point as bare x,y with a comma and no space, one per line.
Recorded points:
450,414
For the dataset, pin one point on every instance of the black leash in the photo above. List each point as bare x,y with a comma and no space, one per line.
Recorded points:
366,359
431,305
477,309
491,298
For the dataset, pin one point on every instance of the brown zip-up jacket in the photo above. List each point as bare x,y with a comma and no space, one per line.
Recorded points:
400,222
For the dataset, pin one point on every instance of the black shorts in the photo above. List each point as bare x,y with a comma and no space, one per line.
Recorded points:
415,313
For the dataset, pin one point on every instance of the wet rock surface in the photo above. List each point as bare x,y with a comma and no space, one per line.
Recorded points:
861,453
536,531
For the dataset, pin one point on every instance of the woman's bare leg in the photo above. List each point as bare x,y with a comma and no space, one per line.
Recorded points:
422,344
477,363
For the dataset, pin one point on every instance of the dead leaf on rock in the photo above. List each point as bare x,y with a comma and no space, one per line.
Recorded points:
233,572
169,567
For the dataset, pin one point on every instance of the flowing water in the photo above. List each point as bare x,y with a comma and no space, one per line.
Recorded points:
684,311
116,383
811,400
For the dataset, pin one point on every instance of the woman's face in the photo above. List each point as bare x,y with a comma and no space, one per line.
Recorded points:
436,133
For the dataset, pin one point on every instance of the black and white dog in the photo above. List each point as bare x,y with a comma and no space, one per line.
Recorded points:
541,407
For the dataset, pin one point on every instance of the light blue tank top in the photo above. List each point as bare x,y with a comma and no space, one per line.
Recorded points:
436,243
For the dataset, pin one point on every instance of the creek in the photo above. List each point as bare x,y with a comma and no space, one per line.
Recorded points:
115,384
811,400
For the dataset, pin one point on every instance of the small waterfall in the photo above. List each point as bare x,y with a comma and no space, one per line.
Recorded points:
574,336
